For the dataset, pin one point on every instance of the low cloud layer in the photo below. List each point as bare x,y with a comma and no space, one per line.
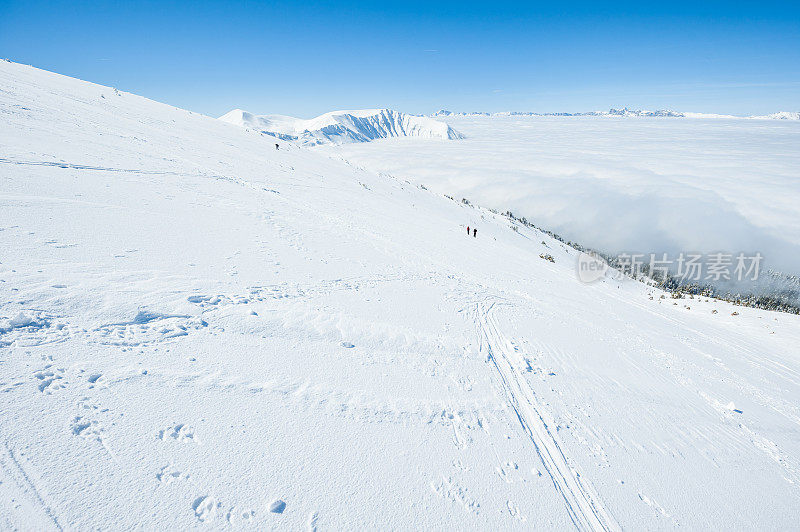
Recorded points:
622,185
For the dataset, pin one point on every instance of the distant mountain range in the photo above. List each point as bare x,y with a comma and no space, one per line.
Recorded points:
365,125
625,112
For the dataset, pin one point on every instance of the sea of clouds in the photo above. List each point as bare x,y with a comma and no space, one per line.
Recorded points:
635,185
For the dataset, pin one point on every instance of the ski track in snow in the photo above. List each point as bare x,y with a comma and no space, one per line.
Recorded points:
29,499
584,505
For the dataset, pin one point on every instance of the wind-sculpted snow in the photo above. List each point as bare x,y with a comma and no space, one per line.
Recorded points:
341,127
200,331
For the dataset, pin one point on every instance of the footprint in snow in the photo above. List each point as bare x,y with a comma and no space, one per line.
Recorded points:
235,516
169,474
179,432
50,379
312,522
205,508
732,407
347,345
277,507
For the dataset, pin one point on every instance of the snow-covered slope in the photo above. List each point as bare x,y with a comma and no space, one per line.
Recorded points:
344,126
199,330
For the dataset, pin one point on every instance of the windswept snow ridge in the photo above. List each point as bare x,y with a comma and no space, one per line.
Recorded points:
340,127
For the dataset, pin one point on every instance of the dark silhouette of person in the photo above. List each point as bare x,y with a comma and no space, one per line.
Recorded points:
467,230
475,233
276,146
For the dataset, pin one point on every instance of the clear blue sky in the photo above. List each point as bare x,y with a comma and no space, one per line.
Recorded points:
306,58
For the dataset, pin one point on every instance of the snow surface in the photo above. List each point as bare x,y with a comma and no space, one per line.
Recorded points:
199,330
344,126
645,185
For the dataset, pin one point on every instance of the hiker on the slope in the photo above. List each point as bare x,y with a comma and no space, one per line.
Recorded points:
467,230
475,233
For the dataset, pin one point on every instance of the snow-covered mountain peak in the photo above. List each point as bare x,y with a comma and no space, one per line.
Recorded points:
781,115
237,116
340,127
